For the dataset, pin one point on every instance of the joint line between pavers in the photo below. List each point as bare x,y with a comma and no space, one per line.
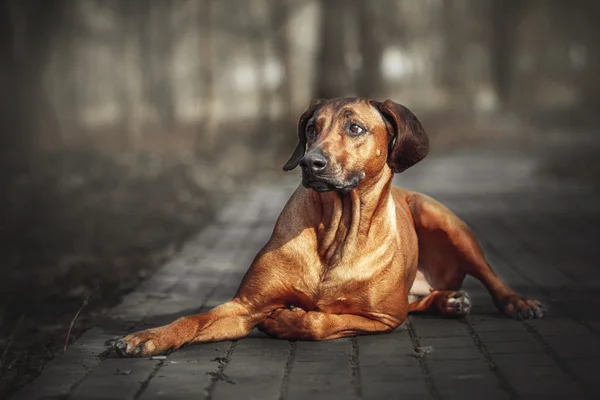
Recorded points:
146,382
285,381
589,391
354,361
482,348
219,374
429,381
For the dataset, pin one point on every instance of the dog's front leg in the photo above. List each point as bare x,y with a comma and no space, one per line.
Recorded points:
229,321
298,324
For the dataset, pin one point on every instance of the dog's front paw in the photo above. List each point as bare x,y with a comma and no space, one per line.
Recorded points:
142,344
519,307
283,323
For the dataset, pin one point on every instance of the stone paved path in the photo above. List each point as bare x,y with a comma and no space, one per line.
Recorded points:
539,234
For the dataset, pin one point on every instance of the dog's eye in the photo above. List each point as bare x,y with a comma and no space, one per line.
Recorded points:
311,132
356,130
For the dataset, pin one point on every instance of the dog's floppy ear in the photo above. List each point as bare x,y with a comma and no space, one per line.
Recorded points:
409,143
301,147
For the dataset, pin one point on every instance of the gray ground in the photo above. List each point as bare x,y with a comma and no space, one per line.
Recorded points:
538,233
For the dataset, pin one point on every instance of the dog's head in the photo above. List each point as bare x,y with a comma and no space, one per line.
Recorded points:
343,141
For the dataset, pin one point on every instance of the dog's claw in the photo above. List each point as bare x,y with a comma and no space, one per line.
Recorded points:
457,304
120,347
520,308
539,311
138,350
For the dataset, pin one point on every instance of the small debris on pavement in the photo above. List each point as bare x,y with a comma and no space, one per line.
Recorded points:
421,351
221,360
123,371
159,357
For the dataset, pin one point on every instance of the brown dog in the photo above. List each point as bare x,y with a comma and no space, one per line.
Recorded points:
348,248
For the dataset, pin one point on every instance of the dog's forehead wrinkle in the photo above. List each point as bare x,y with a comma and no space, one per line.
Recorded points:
338,112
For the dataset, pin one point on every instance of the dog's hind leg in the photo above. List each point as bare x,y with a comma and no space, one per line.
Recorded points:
448,251
450,303
423,298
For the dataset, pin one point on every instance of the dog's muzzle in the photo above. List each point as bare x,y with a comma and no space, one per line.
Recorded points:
314,175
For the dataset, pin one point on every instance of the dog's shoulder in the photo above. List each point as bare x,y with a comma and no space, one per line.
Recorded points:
401,195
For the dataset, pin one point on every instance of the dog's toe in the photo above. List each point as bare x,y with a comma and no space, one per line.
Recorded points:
120,347
139,344
520,308
457,304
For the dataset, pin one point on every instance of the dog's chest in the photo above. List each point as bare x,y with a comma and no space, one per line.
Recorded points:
352,288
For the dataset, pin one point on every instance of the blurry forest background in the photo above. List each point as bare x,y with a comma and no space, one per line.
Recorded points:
124,121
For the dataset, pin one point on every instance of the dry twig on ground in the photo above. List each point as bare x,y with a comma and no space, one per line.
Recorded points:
85,303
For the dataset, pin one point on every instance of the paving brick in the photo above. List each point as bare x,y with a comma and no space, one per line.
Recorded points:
388,367
586,370
187,373
426,326
459,369
322,370
441,353
466,379
490,337
509,360
445,343
559,327
529,346
542,380
498,323
115,378
471,386
568,347
386,351
398,385
258,363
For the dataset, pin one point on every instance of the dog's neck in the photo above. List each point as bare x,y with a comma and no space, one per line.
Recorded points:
348,219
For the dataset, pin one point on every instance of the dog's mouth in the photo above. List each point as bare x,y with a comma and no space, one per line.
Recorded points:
322,184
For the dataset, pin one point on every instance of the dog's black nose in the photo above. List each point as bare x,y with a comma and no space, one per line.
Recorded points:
315,161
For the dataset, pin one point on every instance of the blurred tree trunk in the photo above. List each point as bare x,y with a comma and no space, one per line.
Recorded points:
27,30
453,54
262,28
132,13
279,21
369,80
504,14
208,78
332,75
157,55
590,79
